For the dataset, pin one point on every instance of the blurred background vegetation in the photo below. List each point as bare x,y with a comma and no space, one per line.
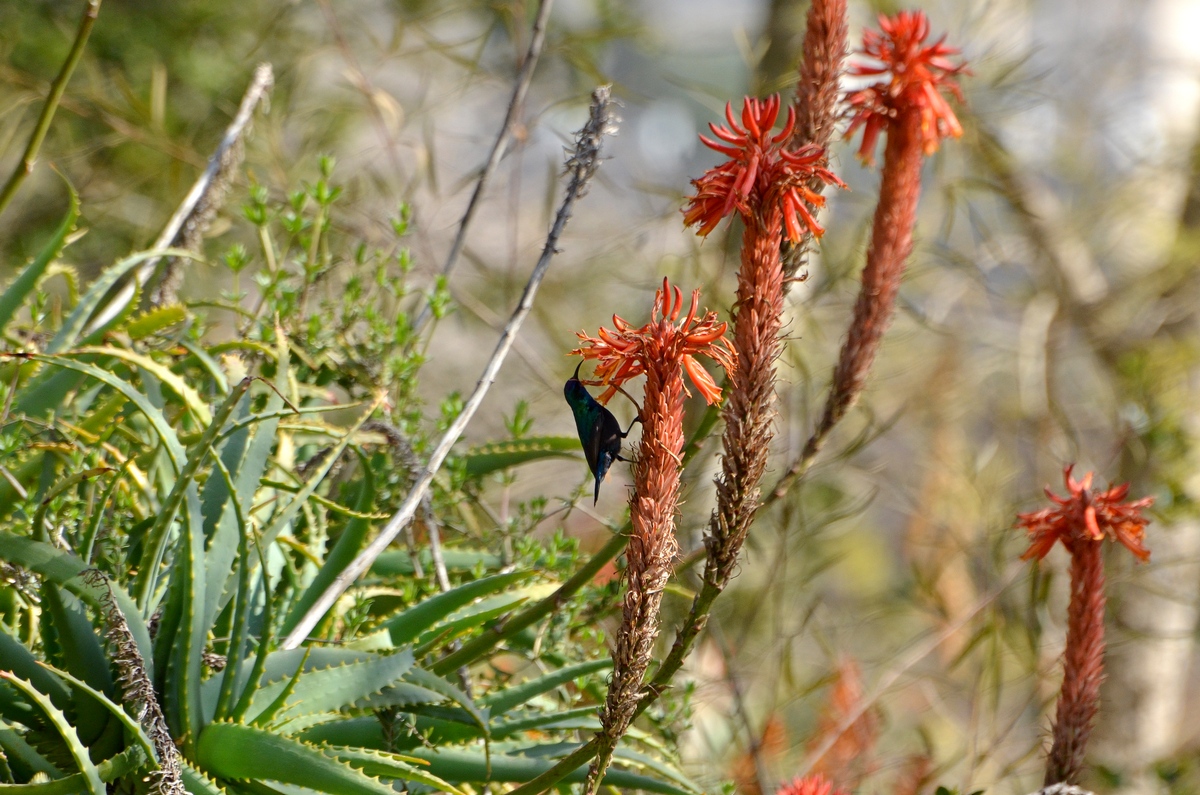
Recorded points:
1049,316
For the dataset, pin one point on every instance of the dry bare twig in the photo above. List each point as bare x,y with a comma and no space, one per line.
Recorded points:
520,89
198,201
581,165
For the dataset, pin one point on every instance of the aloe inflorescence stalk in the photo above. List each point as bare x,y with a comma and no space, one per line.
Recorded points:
767,184
663,350
1082,521
908,105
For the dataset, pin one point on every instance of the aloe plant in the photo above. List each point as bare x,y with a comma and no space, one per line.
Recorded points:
171,505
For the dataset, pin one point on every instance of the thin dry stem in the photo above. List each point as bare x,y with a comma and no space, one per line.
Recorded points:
515,103
581,165
259,87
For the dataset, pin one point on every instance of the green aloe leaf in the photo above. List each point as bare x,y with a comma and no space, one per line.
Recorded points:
427,679
196,782
71,640
17,659
63,568
133,727
24,756
183,490
387,765
75,323
155,320
407,626
495,456
246,459
157,421
235,751
501,701
92,782
15,294
334,688
464,765
353,536
285,515
580,718
478,614
191,399
400,564
124,763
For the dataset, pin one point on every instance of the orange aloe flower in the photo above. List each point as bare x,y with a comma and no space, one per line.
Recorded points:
917,74
761,173
810,785
626,352
1081,521
1086,515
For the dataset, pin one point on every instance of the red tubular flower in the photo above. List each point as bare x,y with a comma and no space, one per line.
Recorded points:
626,352
1084,516
663,350
810,785
762,175
849,750
1081,521
917,74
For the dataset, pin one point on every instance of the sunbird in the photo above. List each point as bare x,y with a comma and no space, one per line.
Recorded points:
599,432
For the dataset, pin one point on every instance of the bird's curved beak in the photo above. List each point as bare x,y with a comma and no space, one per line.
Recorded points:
576,376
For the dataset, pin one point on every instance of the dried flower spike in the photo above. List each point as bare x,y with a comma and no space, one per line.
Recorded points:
1082,521
917,74
762,175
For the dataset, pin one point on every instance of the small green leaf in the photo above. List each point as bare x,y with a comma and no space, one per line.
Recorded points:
501,701
408,626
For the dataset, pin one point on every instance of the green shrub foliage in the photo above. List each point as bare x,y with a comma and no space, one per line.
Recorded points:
175,496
